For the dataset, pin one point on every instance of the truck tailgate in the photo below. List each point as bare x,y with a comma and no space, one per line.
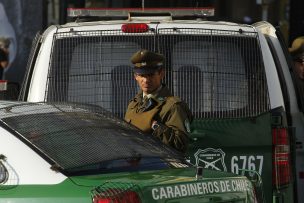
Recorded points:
234,145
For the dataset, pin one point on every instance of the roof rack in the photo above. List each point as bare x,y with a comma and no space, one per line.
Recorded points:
129,13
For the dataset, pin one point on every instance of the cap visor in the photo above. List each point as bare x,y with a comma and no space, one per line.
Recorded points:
145,70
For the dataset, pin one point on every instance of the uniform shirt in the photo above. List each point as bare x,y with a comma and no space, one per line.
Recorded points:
154,94
172,114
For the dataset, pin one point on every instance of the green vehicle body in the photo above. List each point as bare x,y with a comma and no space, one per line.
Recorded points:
241,140
151,186
73,153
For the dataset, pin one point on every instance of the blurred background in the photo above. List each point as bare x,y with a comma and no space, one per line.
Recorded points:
20,20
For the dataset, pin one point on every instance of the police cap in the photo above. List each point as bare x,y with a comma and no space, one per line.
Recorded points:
297,48
147,62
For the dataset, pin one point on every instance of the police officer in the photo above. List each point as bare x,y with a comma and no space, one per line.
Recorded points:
154,109
297,53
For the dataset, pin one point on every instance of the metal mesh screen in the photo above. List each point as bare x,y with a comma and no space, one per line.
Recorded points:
71,135
220,74
95,68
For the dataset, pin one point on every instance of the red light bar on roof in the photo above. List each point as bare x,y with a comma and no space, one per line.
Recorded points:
135,28
120,12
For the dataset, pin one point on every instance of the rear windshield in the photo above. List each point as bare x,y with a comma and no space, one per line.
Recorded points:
78,141
220,74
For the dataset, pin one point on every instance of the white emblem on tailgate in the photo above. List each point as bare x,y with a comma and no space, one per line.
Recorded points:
211,158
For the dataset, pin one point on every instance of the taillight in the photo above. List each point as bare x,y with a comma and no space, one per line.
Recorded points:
112,196
281,173
135,28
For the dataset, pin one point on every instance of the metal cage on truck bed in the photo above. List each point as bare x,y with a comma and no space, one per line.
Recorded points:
219,73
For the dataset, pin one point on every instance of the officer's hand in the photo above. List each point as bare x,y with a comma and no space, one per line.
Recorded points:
154,125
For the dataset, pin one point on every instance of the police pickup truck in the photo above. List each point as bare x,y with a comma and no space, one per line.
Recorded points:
236,78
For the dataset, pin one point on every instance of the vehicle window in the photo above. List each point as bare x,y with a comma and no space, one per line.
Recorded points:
89,73
71,138
123,88
216,80
98,70
220,74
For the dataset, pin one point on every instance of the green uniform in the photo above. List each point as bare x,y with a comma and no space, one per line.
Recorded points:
172,115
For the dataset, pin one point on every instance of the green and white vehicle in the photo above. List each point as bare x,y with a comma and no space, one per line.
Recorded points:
76,153
236,79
